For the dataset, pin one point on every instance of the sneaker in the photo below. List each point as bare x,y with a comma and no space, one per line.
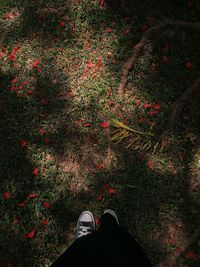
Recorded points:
85,224
111,212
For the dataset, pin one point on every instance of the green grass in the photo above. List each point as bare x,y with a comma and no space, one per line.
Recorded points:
158,193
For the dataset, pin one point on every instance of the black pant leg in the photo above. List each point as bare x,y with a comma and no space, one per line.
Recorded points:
110,245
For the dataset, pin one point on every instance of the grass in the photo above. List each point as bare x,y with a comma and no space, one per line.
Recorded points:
69,75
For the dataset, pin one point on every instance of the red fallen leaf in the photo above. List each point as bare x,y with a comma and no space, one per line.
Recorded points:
109,93
6,195
97,221
112,191
157,106
41,131
16,220
14,88
14,81
35,171
24,83
1,54
89,64
102,3
62,24
35,63
30,234
105,124
188,65
3,49
100,166
21,204
166,59
44,101
125,32
105,187
9,16
45,222
46,205
178,251
12,56
46,140
16,49
191,255
147,105
141,120
172,242
144,28
153,112
109,30
40,70
23,143
88,125
189,3
32,195
30,92
100,197
9,264
138,102
150,164
20,87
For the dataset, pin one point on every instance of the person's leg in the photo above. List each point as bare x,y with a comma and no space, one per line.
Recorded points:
73,255
110,245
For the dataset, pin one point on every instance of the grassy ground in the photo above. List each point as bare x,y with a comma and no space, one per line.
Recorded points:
59,71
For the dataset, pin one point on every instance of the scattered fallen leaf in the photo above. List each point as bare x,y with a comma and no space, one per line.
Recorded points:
105,186
35,63
112,191
46,140
105,124
6,195
88,125
41,131
152,112
157,106
46,205
16,220
188,65
191,255
45,222
9,264
62,24
97,221
12,56
150,164
21,204
147,105
189,3
100,166
100,197
32,195
23,143
30,234
35,171
102,3
166,59
14,81
40,70
44,101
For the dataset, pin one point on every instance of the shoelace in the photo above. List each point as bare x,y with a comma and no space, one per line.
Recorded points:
84,230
